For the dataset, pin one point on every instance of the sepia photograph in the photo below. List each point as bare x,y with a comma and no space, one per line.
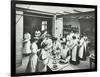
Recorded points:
52,38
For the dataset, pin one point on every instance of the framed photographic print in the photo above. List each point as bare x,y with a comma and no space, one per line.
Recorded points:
52,38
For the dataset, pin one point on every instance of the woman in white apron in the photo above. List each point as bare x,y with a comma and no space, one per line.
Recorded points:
74,51
68,44
26,43
82,49
32,65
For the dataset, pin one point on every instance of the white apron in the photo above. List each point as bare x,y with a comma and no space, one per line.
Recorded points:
64,52
74,49
26,49
81,50
43,61
85,42
34,47
33,59
74,53
33,63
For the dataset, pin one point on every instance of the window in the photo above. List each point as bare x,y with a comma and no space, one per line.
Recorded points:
44,25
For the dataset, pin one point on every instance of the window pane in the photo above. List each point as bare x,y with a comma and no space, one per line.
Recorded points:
44,25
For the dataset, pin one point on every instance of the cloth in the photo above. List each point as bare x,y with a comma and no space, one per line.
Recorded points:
64,52
82,48
74,53
26,43
32,64
74,49
42,61
26,48
34,48
39,43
